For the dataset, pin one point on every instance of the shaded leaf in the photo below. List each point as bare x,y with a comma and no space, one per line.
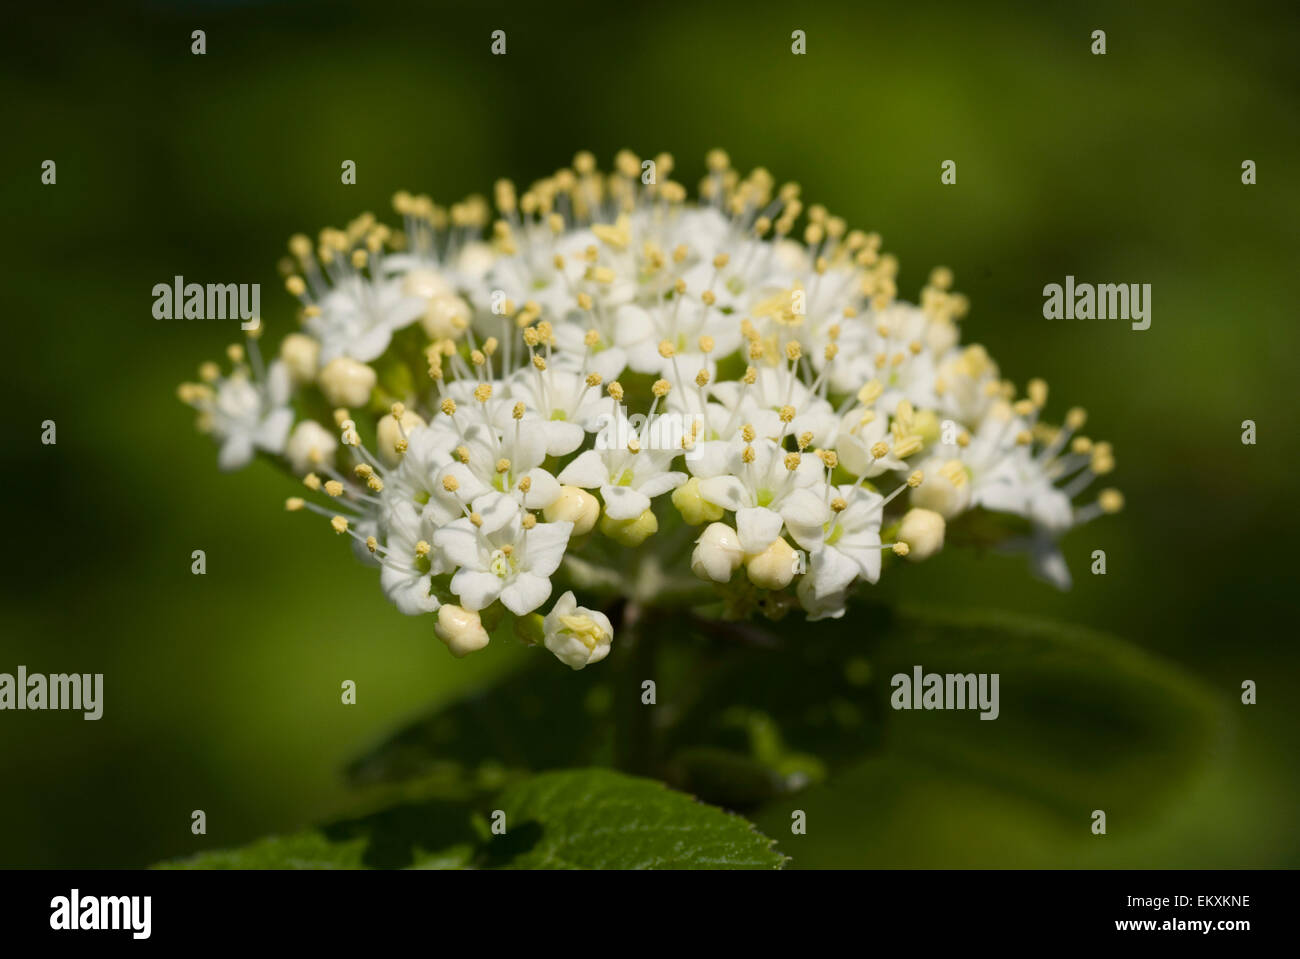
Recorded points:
599,819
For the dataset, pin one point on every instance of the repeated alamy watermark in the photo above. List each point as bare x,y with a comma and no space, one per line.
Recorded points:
1101,301
663,431
179,300
75,912
922,690
73,691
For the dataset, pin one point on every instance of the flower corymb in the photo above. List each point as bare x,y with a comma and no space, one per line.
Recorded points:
611,391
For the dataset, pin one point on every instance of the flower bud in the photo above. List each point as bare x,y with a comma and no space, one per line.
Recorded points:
922,531
309,445
389,435
630,532
717,553
774,567
447,317
695,509
345,382
425,283
460,629
300,354
576,635
577,506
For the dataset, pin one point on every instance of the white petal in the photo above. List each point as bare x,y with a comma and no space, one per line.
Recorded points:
758,528
725,491
544,546
588,471
475,589
661,483
525,593
458,543
623,502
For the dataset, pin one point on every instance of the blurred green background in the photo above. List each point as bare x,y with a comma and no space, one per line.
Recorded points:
222,691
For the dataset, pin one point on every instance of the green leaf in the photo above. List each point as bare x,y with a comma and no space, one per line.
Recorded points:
598,819
397,829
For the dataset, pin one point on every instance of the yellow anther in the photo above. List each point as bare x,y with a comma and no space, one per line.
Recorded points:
483,392
915,479
450,483
870,392
901,549
792,461
747,433
311,481
1110,501
529,521
661,388
793,351
666,349
839,504
786,413
907,446
293,503
747,455
503,465
448,406
615,390
476,519
879,449
1076,418
1037,390
340,524
333,488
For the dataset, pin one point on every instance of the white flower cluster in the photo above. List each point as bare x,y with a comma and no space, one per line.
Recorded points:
539,397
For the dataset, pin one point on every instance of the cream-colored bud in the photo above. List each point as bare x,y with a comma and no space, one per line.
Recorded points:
717,553
922,531
446,318
391,440
425,283
461,629
345,382
774,567
695,509
300,354
310,444
575,505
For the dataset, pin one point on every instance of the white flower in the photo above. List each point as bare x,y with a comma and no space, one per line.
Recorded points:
767,487
766,355
628,479
499,556
578,636
243,414
358,317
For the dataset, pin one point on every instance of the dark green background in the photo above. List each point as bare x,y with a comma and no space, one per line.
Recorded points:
222,690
